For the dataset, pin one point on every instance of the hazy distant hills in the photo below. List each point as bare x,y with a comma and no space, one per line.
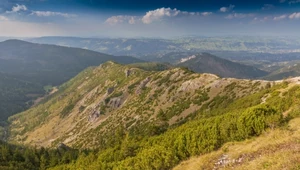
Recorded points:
41,65
118,46
207,63
146,47
285,72
50,64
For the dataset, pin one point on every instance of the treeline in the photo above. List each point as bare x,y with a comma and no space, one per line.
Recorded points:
14,157
16,95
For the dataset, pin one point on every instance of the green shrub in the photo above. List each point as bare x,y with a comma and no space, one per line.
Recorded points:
256,119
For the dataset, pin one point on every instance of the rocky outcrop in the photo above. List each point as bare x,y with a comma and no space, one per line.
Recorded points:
115,102
142,85
127,72
94,116
110,90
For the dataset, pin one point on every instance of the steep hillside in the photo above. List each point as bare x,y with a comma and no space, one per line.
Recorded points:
136,119
87,109
207,63
267,111
29,67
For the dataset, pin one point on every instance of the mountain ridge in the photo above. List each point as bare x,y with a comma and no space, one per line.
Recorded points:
119,91
129,117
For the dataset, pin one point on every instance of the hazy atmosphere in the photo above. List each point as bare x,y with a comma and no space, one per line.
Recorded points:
133,18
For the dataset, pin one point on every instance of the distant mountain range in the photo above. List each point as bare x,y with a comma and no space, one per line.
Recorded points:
147,47
50,64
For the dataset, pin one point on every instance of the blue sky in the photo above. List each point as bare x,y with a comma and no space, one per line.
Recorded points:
155,18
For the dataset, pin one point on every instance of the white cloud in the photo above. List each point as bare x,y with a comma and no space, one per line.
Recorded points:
295,15
152,16
50,13
17,8
294,2
282,1
281,17
3,18
227,9
206,13
161,13
121,19
238,15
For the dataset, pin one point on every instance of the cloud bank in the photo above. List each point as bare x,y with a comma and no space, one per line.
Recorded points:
153,16
162,13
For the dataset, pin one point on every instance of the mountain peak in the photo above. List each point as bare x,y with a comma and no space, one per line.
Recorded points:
15,41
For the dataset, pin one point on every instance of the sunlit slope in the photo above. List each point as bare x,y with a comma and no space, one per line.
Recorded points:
274,149
241,119
90,107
